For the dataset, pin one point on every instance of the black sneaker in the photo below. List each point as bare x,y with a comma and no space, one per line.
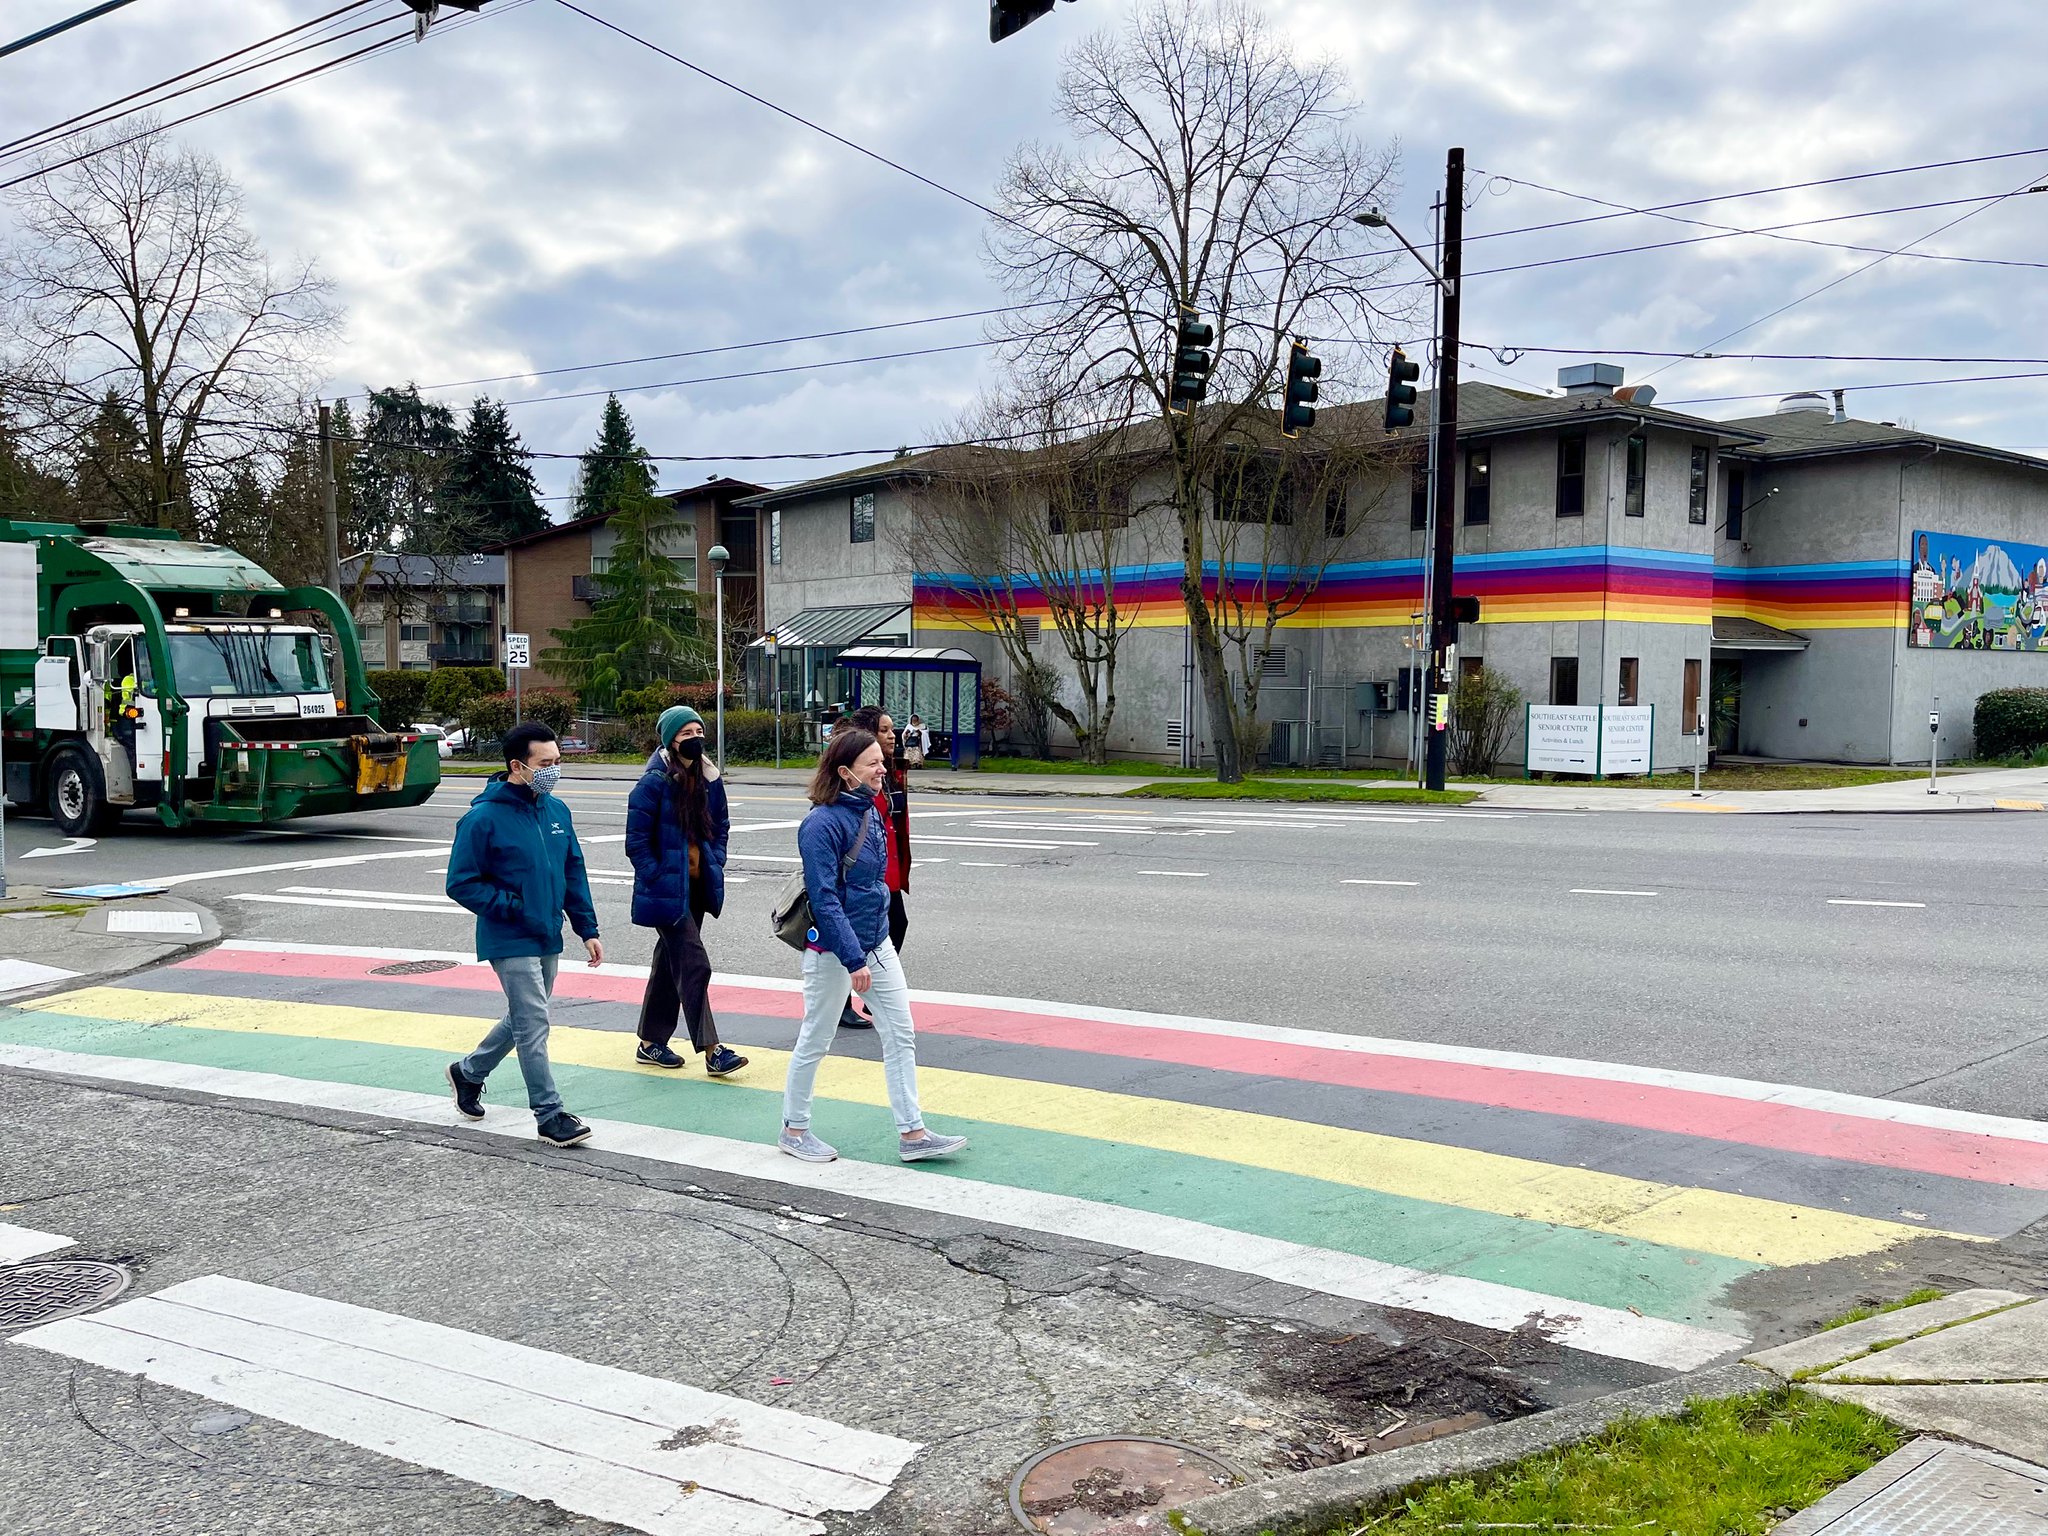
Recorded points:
850,1019
564,1129
723,1061
651,1055
469,1097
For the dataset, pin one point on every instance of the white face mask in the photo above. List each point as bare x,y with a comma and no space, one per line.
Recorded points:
545,779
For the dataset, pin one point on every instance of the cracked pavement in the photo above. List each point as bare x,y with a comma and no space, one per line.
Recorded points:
985,1346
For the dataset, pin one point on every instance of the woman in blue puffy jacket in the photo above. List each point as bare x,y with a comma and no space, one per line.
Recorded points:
676,828
848,949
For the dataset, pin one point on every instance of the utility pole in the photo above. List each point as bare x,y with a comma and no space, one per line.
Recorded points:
1443,628
329,517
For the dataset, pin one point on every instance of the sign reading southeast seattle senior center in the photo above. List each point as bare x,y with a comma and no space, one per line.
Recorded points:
1563,738
1588,739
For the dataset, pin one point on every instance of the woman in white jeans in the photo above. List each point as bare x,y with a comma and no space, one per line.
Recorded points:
848,949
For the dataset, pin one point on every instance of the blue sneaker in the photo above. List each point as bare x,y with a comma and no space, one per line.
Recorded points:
805,1147
931,1144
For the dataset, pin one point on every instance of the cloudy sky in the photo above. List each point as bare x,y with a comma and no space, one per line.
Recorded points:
529,191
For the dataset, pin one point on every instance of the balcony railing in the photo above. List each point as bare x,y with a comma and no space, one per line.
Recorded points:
448,654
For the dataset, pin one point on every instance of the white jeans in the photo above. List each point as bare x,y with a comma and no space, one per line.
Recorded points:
827,985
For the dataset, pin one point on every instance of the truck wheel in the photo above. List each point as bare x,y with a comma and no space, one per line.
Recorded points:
78,795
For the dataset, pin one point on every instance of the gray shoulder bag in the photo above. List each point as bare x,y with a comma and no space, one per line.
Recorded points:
790,917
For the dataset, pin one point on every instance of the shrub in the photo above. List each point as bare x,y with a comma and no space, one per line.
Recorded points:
449,688
640,711
750,735
488,716
2011,720
402,696
1484,708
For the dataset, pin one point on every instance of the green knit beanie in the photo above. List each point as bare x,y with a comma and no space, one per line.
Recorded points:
673,719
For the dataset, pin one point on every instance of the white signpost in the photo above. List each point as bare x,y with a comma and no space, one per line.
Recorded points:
518,657
1588,739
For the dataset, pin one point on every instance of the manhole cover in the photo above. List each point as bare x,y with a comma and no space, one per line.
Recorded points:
413,968
1107,1483
46,1290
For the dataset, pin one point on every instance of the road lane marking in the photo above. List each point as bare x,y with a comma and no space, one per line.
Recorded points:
1180,874
982,864
1040,846
593,1439
20,975
1852,901
19,1243
1488,1304
1597,891
1379,882
445,909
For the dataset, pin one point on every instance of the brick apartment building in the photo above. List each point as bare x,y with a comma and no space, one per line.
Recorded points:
548,575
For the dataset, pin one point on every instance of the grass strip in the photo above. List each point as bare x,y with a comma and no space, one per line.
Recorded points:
1910,1299
1297,790
1736,1465
1738,776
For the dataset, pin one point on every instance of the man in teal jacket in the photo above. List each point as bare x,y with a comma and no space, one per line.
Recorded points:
516,865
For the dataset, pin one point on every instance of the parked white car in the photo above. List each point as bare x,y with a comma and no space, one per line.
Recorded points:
449,741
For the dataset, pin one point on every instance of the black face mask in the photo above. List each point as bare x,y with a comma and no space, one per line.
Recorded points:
688,750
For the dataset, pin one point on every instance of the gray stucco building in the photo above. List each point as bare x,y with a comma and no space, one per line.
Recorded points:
1811,581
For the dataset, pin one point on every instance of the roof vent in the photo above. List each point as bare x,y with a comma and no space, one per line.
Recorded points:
1806,400
1636,394
1589,379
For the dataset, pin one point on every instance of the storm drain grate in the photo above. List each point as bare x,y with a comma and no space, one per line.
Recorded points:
43,1291
413,968
1101,1483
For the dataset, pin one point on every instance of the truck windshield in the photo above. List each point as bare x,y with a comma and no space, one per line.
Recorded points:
225,662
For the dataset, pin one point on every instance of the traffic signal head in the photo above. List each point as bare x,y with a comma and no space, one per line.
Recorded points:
1298,414
1464,610
1008,16
1401,377
1191,361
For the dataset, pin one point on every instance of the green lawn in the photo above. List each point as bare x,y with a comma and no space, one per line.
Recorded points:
1737,776
1296,790
1717,1469
1910,1299
1116,767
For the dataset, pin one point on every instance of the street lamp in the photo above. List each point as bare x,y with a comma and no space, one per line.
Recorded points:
719,557
1443,626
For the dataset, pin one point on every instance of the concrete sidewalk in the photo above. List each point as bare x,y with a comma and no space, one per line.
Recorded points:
49,941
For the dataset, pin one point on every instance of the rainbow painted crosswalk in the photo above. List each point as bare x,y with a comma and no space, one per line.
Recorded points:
1620,1204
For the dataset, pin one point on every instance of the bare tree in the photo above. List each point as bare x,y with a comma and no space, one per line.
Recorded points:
1210,170
1036,536
134,279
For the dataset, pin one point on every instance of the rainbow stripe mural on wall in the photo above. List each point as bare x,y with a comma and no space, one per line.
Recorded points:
1523,587
1855,594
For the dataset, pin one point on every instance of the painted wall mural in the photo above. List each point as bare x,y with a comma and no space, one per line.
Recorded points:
1589,582
1972,594
1852,594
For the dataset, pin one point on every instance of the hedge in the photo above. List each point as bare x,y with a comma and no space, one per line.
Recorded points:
488,716
450,688
2011,720
404,696
750,735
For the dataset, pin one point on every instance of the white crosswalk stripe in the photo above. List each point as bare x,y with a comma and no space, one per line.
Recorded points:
654,1455
19,1243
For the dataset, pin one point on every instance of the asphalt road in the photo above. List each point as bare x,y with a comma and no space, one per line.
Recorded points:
1880,955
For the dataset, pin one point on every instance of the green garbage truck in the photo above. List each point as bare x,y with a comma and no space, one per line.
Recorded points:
144,671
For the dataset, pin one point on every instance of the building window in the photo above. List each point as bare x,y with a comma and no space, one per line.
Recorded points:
1689,705
1571,475
1564,680
1696,491
418,632
1250,489
1479,485
775,536
862,518
1418,497
1638,473
1631,670
1470,668
1336,515
1735,494
371,638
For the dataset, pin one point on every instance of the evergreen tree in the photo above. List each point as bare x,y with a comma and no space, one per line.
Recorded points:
616,470
643,626
407,445
110,475
487,495
293,541
27,491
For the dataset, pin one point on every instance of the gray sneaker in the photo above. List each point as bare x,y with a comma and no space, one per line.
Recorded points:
931,1144
805,1147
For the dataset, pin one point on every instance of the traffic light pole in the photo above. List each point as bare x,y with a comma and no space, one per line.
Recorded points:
1443,629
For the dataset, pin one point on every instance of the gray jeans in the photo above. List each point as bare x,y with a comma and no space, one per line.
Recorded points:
826,988
528,980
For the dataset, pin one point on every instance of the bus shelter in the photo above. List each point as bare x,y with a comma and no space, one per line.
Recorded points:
939,684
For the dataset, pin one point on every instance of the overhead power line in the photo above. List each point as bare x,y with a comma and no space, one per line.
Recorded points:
61,26
1773,394
1752,357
